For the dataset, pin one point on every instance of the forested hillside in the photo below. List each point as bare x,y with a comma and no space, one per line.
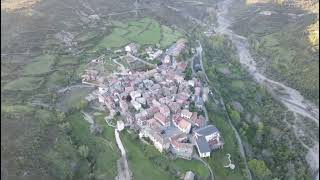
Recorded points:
284,38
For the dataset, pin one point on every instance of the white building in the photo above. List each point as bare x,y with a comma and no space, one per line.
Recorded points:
131,48
189,176
155,54
102,90
186,114
120,125
136,105
207,138
135,94
202,147
191,83
166,59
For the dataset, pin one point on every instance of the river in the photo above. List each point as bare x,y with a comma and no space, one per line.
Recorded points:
290,97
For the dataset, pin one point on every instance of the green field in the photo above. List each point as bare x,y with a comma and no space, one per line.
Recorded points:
219,158
72,100
102,148
140,164
192,165
83,37
145,31
237,84
146,161
24,84
41,64
16,108
119,24
67,60
169,36
115,39
57,79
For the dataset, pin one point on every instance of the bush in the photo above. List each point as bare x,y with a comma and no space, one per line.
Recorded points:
259,168
83,151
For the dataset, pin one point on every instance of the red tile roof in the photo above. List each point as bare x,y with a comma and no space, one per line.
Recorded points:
161,118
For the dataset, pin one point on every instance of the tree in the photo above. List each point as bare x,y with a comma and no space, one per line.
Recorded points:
188,74
192,107
259,168
96,129
66,127
61,116
54,97
234,115
83,151
128,98
82,104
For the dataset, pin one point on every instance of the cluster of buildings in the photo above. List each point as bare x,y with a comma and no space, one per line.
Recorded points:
153,53
156,104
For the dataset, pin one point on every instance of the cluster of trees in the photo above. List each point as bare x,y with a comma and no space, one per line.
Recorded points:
259,169
260,124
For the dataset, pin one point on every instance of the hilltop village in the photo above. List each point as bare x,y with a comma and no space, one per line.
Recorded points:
156,103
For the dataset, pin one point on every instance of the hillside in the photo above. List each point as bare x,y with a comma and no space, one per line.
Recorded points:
284,38
45,46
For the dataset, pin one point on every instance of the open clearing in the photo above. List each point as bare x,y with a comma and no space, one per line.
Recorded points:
72,99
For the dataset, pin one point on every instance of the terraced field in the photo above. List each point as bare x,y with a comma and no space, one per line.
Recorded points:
145,31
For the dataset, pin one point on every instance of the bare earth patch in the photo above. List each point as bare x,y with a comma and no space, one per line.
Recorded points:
13,5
